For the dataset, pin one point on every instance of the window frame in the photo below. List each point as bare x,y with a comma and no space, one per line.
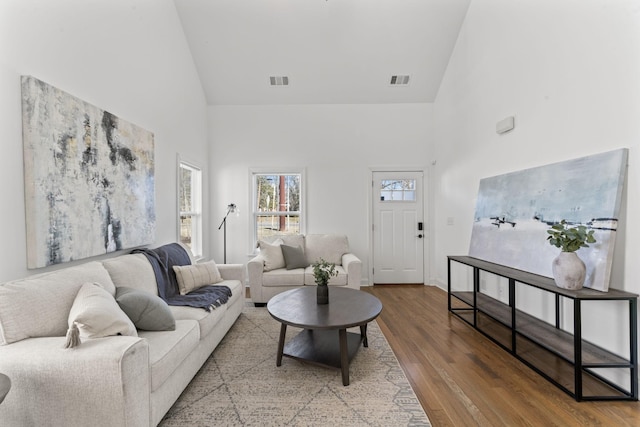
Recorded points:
197,231
253,228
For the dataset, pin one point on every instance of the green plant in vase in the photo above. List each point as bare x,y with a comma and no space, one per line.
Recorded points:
568,269
570,239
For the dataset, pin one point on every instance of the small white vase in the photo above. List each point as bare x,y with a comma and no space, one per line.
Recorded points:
569,271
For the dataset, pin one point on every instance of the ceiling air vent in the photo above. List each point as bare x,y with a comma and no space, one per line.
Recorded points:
399,80
279,80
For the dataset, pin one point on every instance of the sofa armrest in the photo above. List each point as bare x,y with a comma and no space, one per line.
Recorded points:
232,272
104,381
353,266
255,268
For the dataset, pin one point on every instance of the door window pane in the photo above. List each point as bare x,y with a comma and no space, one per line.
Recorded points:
394,190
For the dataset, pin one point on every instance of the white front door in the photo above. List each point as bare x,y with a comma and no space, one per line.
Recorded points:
398,227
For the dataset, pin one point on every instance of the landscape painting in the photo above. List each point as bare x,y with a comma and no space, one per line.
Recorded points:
515,210
89,178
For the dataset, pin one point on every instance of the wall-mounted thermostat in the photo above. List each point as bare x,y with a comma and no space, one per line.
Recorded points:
505,125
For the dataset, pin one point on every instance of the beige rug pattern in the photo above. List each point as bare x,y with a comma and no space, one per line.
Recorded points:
240,385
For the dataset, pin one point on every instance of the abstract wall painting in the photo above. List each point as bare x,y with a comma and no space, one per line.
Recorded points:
89,178
515,210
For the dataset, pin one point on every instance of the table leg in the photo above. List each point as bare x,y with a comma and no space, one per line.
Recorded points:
344,356
363,334
283,332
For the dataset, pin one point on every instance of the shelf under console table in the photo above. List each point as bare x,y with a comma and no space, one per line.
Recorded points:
570,362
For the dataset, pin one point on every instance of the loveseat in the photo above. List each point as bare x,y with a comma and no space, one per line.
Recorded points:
286,262
109,381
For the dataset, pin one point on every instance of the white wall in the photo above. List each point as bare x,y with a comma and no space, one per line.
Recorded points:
337,144
129,58
569,72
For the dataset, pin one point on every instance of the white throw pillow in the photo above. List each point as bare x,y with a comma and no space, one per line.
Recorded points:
38,306
272,254
97,314
191,277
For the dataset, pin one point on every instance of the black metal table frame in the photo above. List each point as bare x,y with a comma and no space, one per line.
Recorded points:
546,284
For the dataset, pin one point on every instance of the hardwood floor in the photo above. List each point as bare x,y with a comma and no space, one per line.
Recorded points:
464,379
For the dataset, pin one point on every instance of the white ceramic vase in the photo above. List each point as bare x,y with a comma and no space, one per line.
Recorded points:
569,271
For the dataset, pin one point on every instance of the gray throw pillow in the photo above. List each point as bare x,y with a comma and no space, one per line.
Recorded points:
294,257
148,312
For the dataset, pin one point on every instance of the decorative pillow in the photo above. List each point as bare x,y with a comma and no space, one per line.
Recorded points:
147,311
39,305
96,314
192,277
272,253
294,257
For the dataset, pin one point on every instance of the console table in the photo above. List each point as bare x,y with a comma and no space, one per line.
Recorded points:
566,359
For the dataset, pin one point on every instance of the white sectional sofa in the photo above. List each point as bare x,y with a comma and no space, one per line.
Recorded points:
268,276
110,381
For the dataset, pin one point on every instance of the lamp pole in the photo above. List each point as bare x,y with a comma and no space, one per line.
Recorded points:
230,208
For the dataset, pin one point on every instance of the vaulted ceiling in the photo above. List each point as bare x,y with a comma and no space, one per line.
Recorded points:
331,51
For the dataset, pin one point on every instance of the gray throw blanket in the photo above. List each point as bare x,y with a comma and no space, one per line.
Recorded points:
162,260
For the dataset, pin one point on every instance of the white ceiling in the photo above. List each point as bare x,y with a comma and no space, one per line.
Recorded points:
333,51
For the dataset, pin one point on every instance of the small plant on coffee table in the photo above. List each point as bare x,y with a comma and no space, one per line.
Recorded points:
323,271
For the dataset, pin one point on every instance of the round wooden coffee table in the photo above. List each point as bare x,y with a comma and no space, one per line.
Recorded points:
324,339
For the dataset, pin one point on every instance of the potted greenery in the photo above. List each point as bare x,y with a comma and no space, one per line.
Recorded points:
568,269
322,272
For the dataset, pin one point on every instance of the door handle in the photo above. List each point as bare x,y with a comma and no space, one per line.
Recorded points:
419,236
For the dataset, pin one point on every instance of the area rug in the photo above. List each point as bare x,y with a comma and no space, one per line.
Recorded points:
240,385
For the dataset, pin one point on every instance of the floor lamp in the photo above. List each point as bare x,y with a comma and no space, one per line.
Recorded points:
230,209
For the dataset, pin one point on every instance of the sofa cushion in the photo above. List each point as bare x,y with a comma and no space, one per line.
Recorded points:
236,286
97,314
132,271
329,247
168,349
340,280
272,254
294,257
147,311
283,277
49,295
207,320
192,277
